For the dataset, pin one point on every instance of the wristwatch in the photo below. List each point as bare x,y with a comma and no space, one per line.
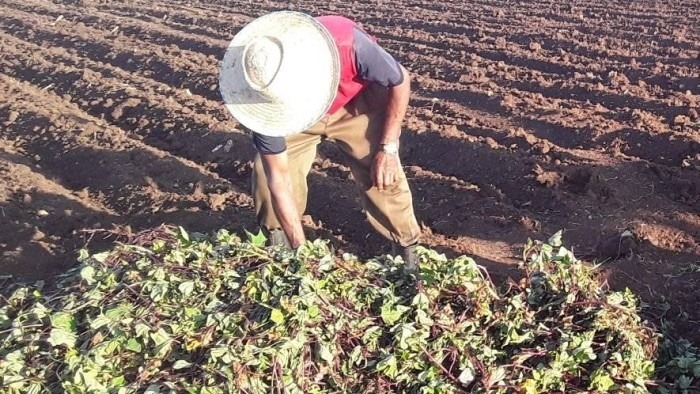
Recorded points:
391,148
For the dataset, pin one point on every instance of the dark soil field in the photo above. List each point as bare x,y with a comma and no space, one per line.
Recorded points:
526,117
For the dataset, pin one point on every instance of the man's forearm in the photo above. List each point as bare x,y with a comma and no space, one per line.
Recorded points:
285,209
397,104
279,182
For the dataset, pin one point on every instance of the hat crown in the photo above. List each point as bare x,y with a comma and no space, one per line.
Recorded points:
280,73
261,61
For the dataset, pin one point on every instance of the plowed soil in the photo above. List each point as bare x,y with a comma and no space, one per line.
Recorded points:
526,117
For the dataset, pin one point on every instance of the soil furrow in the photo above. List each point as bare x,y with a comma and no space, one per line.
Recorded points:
153,33
178,68
96,166
140,108
200,107
86,153
192,20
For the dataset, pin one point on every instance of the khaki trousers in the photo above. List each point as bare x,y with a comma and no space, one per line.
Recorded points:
357,129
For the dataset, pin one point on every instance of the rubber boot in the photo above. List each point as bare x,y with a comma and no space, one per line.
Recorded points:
279,238
408,254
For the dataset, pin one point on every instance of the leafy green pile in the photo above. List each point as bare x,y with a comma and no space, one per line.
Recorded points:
188,313
678,366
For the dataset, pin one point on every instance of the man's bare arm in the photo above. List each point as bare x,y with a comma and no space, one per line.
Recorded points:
385,169
279,182
397,104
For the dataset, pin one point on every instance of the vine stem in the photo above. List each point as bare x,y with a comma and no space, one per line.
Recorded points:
437,364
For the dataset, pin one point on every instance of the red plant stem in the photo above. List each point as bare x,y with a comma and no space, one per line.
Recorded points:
437,364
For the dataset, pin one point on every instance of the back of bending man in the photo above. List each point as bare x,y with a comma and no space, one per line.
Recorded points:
364,119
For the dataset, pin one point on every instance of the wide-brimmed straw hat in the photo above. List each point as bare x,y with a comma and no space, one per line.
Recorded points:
280,73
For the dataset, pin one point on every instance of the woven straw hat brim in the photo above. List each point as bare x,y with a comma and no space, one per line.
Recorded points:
304,86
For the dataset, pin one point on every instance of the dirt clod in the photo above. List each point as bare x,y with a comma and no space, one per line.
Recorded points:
681,120
693,114
615,247
12,116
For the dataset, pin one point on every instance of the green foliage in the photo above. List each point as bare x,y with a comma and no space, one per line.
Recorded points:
177,312
679,365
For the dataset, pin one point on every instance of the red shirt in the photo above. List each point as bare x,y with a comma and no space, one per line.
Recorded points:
343,32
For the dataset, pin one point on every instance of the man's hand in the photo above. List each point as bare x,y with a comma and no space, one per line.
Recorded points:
385,170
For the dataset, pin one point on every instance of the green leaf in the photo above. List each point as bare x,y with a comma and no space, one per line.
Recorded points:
684,382
602,381
163,342
219,352
371,336
88,274
277,317
64,321
182,235
14,382
101,257
387,365
63,331
99,322
356,355
555,240
83,255
159,291
14,361
392,313
258,239
326,263
158,245
421,301
186,288
325,353
86,379
152,389
181,364
111,347
211,390
685,363
118,312
530,387
34,388
314,311
403,332
142,330
133,345
117,382
422,318
496,376
39,311
467,376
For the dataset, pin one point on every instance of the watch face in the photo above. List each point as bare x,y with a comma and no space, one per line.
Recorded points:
391,147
